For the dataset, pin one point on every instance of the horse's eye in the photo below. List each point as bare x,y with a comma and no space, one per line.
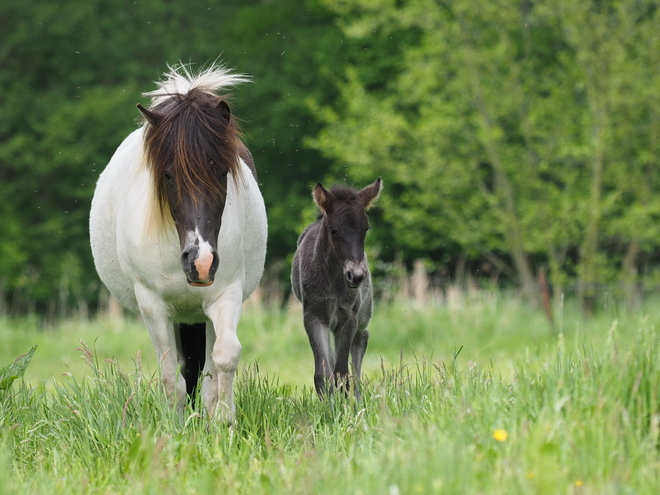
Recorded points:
168,177
217,171
333,233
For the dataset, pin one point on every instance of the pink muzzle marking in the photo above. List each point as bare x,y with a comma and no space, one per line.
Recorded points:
203,266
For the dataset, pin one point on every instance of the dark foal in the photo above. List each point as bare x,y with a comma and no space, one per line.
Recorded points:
331,278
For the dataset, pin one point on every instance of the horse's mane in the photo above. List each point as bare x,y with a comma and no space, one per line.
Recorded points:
179,80
195,131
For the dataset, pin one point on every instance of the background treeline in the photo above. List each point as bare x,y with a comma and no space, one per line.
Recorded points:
514,137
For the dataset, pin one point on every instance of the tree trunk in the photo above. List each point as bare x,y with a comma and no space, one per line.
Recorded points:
588,267
514,237
513,233
629,276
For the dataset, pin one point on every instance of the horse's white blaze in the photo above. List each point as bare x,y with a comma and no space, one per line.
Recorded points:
204,258
203,265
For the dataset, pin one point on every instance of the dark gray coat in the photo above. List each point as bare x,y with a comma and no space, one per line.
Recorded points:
330,277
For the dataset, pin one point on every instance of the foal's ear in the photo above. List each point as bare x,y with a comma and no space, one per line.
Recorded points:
322,196
152,117
369,194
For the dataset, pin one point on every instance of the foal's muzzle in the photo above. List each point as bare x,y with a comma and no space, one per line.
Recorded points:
354,274
199,265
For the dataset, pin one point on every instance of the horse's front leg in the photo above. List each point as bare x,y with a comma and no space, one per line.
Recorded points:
161,330
223,354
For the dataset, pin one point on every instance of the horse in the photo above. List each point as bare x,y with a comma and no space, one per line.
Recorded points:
178,232
330,277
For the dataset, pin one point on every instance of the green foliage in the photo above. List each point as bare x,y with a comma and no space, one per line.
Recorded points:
510,131
15,370
517,134
72,74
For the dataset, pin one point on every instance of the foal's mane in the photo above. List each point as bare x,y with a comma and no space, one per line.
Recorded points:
195,131
344,193
341,194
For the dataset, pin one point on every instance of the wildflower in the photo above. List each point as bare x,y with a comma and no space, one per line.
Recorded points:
500,435
579,482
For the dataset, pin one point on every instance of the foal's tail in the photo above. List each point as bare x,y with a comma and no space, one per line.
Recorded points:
193,350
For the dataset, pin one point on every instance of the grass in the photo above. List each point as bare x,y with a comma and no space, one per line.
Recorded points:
520,409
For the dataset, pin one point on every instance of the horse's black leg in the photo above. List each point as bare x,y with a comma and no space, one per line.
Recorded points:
318,334
193,351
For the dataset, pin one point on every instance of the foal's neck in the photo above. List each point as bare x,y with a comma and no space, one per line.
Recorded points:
325,252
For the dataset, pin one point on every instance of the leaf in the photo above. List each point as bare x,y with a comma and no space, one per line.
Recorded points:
15,370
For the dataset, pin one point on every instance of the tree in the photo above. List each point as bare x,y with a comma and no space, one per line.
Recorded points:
492,129
71,75
613,47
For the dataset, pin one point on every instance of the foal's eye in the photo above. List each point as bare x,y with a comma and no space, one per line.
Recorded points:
333,233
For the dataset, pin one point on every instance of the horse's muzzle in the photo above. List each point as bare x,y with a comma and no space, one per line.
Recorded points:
199,266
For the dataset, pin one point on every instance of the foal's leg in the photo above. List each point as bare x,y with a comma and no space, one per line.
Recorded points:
344,337
162,333
361,339
225,353
358,348
318,335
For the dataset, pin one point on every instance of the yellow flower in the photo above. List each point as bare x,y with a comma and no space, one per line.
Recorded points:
500,435
579,483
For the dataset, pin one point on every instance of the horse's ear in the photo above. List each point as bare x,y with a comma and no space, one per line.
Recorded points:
152,117
370,194
225,111
322,196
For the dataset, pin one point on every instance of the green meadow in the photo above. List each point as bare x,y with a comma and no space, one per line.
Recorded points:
469,394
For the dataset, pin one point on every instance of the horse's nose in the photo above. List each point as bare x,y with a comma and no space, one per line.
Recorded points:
199,265
354,277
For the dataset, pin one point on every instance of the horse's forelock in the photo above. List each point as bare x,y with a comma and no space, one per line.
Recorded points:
195,136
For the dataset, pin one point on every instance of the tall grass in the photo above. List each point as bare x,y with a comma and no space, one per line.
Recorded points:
478,398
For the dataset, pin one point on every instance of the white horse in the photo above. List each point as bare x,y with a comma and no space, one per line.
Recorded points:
178,232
